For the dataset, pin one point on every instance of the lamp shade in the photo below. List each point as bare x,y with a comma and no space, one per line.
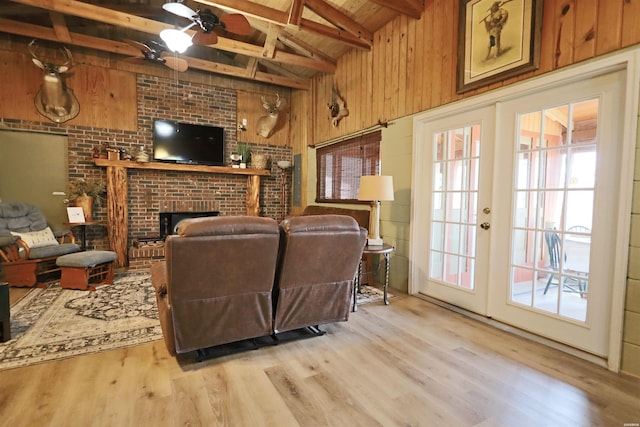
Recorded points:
376,187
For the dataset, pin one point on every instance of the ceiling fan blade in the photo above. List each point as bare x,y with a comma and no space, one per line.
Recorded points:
174,63
203,39
157,45
140,46
180,10
236,23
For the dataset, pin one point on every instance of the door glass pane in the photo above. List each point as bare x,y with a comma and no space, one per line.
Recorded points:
523,279
438,206
453,206
454,209
527,170
530,128
554,168
553,209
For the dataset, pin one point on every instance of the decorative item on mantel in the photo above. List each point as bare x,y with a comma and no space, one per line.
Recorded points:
142,155
85,194
244,150
101,152
125,155
259,160
235,160
113,153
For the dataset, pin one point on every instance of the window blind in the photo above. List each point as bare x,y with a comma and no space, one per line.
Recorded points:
340,166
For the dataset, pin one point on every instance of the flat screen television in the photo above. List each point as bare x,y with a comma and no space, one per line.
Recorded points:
188,143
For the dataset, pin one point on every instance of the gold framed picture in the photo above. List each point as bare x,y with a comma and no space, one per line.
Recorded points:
497,40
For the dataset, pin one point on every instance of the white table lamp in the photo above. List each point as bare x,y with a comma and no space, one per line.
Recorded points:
375,188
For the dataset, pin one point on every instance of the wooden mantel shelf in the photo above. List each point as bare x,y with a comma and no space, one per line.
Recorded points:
181,167
117,195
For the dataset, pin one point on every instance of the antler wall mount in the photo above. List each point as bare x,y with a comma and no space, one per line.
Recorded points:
55,100
337,108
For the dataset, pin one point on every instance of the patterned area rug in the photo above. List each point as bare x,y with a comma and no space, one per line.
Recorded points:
55,323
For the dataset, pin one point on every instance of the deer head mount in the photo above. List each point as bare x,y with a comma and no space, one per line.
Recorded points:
55,100
337,108
266,124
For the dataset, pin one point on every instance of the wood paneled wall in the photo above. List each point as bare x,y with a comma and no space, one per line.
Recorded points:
107,97
412,65
106,89
412,68
250,108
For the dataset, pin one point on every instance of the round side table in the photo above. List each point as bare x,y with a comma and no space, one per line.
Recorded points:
385,250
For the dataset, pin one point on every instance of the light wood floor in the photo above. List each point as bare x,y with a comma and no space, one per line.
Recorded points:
407,364
15,294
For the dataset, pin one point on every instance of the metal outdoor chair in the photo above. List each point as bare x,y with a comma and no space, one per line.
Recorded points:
569,284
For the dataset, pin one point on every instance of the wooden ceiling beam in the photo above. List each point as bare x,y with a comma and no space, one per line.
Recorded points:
339,19
297,83
334,33
295,43
411,8
252,67
251,9
302,47
295,13
113,17
60,26
271,66
121,48
269,49
241,72
45,33
276,16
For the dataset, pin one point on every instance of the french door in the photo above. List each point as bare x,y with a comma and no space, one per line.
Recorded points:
562,150
457,203
515,203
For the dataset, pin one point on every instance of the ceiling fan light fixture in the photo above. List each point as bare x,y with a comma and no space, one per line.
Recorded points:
176,40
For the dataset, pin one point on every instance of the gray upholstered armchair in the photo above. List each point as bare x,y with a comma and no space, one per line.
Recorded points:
215,285
319,256
28,246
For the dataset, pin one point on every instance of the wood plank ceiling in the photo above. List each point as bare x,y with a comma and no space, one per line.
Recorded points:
290,42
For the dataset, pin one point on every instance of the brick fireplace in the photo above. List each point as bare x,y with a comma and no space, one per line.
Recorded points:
150,191
147,249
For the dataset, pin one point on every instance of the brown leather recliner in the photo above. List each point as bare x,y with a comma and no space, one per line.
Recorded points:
318,261
215,285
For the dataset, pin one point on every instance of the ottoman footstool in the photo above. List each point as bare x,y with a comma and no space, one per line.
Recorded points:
86,270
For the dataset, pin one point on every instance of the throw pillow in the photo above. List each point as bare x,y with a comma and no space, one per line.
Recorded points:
38,239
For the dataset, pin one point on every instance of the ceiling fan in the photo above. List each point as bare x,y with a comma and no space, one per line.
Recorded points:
156,55
207,22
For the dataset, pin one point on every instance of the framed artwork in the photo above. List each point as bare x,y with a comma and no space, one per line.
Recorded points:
76,215
497,40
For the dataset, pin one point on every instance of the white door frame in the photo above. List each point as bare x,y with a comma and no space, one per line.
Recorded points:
628,60
474,299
